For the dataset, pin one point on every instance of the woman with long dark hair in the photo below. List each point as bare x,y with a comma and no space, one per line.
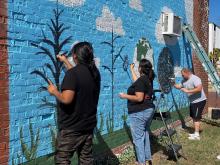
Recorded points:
141,109
78,106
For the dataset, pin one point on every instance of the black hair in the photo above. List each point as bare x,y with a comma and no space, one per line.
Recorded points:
85,56
146,68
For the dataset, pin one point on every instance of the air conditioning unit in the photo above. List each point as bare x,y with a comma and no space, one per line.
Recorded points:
171,24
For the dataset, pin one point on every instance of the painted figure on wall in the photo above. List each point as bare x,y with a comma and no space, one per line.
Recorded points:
142,50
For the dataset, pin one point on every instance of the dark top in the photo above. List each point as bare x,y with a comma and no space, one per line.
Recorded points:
80,114
142,84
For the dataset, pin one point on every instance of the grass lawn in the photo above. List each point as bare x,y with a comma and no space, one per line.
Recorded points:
201,152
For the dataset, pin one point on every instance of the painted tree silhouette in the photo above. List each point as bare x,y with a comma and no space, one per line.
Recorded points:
111,68
51,48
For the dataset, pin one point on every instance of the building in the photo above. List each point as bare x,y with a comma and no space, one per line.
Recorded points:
214,37
25,25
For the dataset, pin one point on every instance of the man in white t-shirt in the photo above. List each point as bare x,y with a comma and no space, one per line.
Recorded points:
192,86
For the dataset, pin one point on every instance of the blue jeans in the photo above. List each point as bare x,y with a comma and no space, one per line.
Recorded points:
140,127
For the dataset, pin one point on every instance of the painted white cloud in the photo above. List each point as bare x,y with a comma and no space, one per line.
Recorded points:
164,39
136,4
107,21
71,3
189,11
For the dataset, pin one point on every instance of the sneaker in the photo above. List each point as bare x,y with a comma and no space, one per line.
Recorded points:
218,157
136,163
194,138
194,134
191,134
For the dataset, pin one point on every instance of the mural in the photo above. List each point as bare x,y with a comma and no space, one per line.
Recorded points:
70,3
107,22
51,48
143,50
121,32
30,153
114,56
136,5
165,70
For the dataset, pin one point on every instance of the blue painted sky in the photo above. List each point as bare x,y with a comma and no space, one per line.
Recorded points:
214,13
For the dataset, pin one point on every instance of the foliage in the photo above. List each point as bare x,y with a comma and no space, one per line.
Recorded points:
127,155
30,153
51,48
215,55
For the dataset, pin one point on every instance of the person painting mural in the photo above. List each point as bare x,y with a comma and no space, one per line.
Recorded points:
78,106
141,109
192,86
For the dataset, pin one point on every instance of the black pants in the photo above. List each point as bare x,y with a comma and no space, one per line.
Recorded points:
69,142
196,110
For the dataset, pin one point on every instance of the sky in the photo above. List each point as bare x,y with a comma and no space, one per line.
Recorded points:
214,11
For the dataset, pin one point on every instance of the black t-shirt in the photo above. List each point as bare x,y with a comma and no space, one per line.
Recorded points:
142,84
80,114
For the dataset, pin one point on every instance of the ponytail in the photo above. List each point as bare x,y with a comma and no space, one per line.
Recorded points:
85,56
94,71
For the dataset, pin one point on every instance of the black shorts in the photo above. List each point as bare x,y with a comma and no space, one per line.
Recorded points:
196,109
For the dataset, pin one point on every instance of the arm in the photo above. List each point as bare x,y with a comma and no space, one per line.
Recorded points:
192,91
138,97
134,76
63,59
65,97
177,86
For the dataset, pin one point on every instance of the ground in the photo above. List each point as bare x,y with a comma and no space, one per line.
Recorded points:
201,152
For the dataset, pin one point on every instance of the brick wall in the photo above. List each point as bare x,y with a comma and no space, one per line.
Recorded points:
132,21
4,111
201,28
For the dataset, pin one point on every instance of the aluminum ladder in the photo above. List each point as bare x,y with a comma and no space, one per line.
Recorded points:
172,146
202,56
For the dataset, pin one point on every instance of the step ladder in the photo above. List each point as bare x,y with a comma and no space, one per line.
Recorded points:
167,134
202,56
